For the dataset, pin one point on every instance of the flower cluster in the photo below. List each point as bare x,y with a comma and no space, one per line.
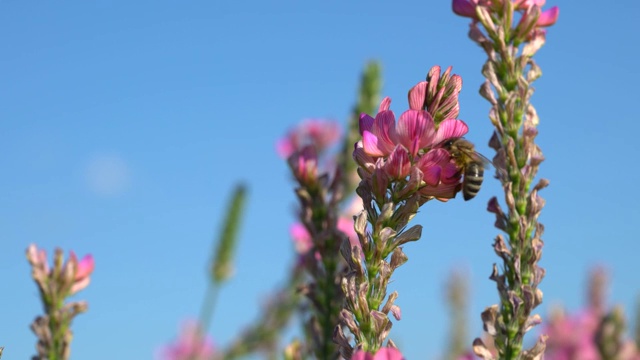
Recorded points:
592,333
56,283
531,21
409,154
401,165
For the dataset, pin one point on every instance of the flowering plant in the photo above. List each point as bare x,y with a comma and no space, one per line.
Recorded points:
357,193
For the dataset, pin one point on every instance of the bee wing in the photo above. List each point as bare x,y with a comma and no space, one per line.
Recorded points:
482,159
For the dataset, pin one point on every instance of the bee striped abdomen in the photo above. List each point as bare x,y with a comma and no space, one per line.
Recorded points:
473,176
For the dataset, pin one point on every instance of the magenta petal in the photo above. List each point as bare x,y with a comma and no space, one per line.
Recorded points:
450,171
398,165
432,175
85,267
464,8
411,129
450,128
417,96
366,122
371,145
548,17
435,156
284,147
384,127
385,104
388,353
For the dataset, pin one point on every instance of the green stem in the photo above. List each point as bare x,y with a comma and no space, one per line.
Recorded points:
208,307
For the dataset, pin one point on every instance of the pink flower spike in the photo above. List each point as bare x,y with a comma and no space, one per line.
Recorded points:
413,130
417,96
386,353
449,129
466,8
548,17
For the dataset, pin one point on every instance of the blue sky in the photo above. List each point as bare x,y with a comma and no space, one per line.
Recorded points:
124,126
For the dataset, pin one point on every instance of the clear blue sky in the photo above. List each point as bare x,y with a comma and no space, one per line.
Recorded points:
124,125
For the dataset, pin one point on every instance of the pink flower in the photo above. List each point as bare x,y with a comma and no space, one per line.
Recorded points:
301,238
190,345
84,269
548,17
415,131
320,134
441,175
304,165
572,337
467,8
386,353
412,143
72,272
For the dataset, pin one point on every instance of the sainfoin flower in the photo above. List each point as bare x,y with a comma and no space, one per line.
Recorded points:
414,142
79,272
318,133
572,337
190,345
467,8
84,269
304,165
386,353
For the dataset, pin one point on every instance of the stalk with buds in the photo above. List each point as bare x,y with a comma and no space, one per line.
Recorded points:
56,284
509,71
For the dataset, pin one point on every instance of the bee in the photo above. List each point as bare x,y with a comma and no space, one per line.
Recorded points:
471,162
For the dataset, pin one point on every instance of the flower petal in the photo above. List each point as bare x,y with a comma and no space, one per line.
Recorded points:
548,17
412,128
384,127
398,165
464,8
417,96
373,146
450,128
366,122
442,191
85,267
385,104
